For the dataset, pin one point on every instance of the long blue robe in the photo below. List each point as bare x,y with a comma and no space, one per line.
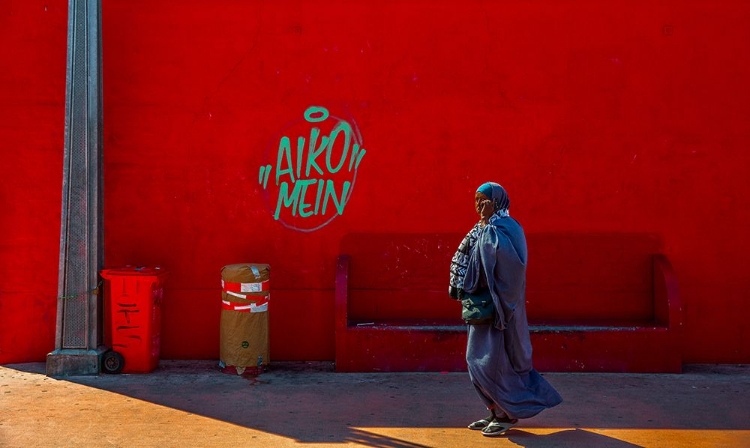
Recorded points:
499,355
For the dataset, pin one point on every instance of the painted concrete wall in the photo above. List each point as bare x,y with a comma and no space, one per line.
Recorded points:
598,117
32,120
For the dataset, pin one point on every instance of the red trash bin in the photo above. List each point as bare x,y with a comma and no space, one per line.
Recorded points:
133,298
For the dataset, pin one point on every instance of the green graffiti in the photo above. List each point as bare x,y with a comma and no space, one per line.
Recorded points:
297,198
313,153
316,110
285,154
342,126
319,156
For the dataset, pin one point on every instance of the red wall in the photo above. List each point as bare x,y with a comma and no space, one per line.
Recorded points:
32,120
598,117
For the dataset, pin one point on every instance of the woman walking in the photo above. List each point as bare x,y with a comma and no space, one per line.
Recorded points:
491,263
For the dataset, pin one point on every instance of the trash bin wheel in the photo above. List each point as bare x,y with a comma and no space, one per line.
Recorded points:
112,362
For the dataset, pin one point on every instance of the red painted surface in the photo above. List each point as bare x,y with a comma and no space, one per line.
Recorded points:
32,119
599,118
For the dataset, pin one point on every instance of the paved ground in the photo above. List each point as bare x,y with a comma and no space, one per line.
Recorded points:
192,404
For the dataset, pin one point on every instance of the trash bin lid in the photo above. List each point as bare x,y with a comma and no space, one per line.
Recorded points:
123,271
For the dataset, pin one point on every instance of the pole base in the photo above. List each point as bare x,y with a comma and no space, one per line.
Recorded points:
74,362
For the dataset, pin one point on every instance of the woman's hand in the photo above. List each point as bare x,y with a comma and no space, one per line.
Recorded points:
486,210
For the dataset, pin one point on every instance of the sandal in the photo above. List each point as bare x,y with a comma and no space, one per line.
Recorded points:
483,423
499,426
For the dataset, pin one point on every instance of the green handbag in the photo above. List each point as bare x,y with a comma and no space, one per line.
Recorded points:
478,307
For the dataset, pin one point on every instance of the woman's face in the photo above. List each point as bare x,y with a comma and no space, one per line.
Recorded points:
478,199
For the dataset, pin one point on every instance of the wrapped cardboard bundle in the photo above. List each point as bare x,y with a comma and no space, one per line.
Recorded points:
244,343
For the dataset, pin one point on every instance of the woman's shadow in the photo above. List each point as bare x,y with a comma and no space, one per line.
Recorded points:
566,438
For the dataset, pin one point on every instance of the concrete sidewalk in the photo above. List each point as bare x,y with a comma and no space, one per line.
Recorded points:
192,404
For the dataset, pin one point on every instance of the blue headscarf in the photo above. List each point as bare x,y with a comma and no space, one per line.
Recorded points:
497,194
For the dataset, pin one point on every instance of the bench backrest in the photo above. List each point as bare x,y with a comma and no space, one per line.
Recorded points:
576,277
400,276
591,276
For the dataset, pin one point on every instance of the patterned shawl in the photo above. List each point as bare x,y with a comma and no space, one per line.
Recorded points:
460,262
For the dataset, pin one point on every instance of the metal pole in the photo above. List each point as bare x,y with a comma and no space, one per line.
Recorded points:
78,336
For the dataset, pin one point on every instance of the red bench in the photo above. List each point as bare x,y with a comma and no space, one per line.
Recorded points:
606,303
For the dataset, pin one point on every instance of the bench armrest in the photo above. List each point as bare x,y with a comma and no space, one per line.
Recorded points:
667,303
341,293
